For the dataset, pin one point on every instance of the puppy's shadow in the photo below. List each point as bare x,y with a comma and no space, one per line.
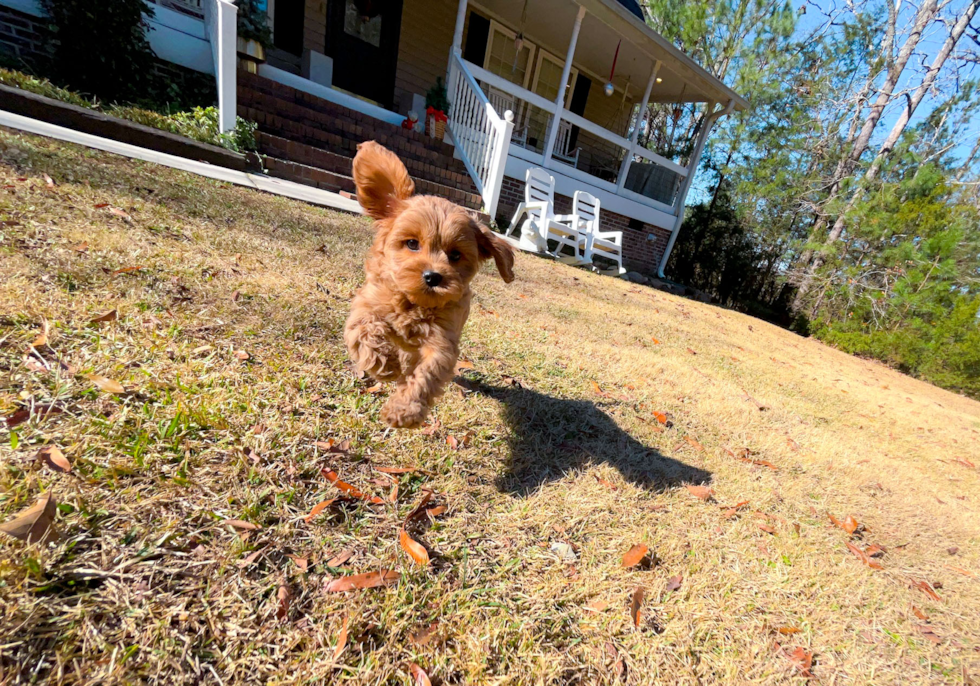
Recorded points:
551,436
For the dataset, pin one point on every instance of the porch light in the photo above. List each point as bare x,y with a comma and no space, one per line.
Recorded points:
659,80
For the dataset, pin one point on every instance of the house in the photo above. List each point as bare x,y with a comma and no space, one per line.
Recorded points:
528,82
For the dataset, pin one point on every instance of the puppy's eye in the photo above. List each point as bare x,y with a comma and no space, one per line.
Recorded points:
455,255
412,245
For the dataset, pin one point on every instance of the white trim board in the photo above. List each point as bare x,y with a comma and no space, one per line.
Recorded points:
288,189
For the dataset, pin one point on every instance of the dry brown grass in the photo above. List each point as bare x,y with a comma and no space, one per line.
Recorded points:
147,586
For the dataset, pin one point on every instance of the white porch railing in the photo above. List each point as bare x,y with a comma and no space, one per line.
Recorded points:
655,180
221,20
481,135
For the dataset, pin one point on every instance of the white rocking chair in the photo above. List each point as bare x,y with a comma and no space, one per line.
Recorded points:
563,142
542,224
607,244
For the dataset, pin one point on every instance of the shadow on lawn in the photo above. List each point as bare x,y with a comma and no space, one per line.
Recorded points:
550,436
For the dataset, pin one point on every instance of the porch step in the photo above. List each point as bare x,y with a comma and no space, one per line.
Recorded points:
331,172
297,116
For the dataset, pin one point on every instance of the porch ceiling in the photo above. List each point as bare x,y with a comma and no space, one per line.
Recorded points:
549,24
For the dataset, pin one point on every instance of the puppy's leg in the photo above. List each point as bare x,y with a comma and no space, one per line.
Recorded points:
409,405
369,346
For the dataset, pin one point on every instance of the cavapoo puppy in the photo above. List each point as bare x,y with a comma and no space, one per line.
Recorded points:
405,322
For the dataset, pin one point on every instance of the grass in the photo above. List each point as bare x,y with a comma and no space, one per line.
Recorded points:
561,445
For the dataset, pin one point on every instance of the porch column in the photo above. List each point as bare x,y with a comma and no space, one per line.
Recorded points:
628,159
549,145
692,165
458,33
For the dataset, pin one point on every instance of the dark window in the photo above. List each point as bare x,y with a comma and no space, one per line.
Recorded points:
635,224
577,106
476,39
288,25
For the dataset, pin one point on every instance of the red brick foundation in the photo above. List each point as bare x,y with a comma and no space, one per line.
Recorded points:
643,246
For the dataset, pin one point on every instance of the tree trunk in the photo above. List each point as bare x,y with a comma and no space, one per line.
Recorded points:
899,127
925,14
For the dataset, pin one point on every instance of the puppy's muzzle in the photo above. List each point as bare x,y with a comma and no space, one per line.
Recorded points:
432,279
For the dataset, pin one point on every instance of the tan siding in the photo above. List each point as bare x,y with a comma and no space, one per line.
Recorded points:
423,47
315,25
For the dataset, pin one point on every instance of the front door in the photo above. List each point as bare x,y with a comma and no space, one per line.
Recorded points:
362,39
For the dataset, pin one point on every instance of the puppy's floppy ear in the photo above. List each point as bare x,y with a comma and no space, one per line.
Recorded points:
381,178
492,245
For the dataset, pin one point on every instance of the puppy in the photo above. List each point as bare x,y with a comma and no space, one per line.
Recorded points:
405,322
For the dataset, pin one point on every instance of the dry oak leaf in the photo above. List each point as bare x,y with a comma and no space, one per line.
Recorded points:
462,364
418,674
424,635
104,384
34,523
675,582
700,492
332,477
693,442
635,555
332,445
927,588
803,660
110,316
341,639
414,549
850,525
636,605
605,482
385,577
52,458
660,417
340,558
318,508
283,597
861,555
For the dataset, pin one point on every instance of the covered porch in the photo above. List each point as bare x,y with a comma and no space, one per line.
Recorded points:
565,85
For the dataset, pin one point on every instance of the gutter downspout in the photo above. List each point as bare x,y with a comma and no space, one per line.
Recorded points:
709,122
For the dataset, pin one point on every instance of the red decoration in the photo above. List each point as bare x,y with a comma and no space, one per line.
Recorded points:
438,115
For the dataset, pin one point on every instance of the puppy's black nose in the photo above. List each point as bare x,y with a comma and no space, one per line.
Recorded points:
432,279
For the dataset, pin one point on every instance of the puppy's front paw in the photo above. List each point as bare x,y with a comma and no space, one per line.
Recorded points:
404,414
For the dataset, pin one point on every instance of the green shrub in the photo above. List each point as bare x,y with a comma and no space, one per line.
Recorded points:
201,124
146,117
100,48
33,84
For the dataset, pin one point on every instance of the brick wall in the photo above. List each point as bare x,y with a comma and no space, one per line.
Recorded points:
640,253
23,38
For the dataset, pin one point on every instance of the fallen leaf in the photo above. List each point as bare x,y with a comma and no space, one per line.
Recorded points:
48,180
768,529
452,442
284,596
418,674
385,577
920,614
318,508
243,525
340,558
436,511
332,445
928,633
635,555
732,512
597,606
126,270
424,635
420,508
396,470
341,640
121,213
414,549
34,523
52,458
962,571
655,341
393,496
300,562
850,525
803,660
861,555
635,606
107,385
605,482
874,550
429,429
660,417
700,492
23,414
953,550
251,557
748,398
109,316
674,583
691,351
42,338
242,355
462,364
694,442
793,445
100,205
377,388
836,522
787,630
965,462
332,477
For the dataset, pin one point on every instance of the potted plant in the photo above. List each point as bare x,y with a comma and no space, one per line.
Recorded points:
437,110
254,35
